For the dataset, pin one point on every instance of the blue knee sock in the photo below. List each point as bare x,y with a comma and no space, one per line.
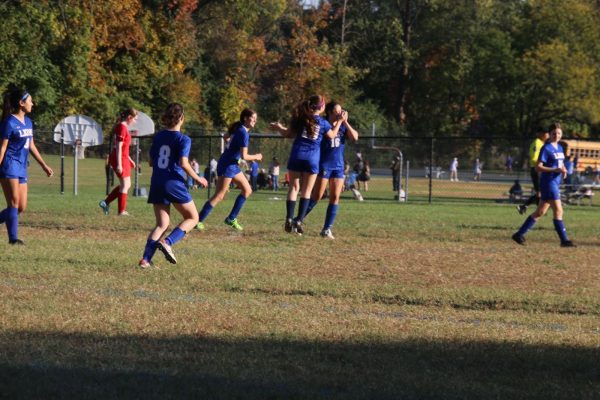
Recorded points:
290,207
12,223
560,229
206,209
527,225
311,204
150,249
175,236
330,216
3,215
237,206
302,209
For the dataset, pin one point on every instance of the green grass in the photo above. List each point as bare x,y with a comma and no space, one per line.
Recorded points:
410,301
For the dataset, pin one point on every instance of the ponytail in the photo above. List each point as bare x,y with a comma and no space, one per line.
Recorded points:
12,101
123,115
246,113
303,116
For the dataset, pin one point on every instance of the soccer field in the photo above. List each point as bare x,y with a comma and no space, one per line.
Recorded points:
409,301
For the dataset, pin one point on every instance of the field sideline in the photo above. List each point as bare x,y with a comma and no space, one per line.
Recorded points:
410,301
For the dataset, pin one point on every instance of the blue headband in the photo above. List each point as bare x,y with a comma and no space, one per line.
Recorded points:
25,96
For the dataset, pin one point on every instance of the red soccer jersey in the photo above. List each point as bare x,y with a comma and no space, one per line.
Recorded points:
121,134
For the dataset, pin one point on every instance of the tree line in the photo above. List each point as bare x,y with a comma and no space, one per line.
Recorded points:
478,68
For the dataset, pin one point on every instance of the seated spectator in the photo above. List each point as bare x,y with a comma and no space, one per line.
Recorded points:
516,191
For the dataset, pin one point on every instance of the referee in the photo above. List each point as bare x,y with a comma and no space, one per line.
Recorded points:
534,152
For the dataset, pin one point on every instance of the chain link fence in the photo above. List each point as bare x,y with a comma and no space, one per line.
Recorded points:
426,163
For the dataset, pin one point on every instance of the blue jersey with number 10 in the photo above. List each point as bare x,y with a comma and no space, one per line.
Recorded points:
167,149
332,151
19,135
551,156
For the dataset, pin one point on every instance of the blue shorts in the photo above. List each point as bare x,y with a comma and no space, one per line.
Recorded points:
337,173
228,171
171,191
22,179
310,166
550,191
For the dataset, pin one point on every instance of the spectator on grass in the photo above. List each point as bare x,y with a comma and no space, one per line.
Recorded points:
16,144
551,167
364,176
274,172
477,170
253,169
121,162
308,129
454,170
508,164
229,172
516,191
395,167
331,166
169,161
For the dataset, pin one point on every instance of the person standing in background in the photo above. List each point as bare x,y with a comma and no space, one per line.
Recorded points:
121,162
534,152
274,170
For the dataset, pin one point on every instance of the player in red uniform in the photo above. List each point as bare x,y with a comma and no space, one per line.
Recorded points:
121,162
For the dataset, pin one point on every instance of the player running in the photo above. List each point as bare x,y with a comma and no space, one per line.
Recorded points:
551,167
228,170
169,161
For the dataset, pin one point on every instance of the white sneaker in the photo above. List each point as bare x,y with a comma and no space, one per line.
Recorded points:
326,233
124,214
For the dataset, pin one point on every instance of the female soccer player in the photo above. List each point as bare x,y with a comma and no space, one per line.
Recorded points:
331,166
551,167
228,170
308,128
169,161
121,162
17,142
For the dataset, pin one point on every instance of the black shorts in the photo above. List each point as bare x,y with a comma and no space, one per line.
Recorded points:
535,179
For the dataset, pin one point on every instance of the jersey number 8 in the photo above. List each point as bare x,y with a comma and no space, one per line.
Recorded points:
163,156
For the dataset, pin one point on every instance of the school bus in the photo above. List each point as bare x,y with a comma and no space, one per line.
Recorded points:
587,152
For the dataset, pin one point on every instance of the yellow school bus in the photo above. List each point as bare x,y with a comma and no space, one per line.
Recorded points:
587,152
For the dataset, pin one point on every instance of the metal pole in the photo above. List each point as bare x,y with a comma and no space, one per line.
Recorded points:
137,168
373,134
406,181
208,167
75,169
430,168
107,167
62,161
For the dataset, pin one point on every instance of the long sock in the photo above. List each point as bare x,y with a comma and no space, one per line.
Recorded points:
332,210
112,195
290,207
206,209
175,236
560,229
311,204
237,207
3,215
12,223
527,225
150,249
302,209
122,202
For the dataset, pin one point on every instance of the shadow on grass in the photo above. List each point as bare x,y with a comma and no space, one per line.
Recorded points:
57,365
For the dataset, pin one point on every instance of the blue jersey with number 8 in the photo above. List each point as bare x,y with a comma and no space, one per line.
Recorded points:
167,149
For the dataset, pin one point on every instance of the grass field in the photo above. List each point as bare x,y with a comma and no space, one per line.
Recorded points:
411,301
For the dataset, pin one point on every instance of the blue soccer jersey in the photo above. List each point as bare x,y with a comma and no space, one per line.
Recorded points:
167,149
233,151
332,151
551,156
307,146
19,135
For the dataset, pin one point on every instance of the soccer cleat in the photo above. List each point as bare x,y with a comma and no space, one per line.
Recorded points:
167,251
326,233
298,227
104,207
289,225
519,239
200,226
143,264
234,224
17,242
124,214
567,243
522,209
